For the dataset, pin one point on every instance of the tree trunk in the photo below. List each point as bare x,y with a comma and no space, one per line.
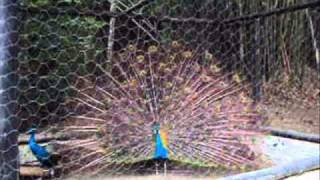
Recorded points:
112,24
313,36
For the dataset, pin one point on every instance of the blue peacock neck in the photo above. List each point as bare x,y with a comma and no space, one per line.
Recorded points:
161,152
32,139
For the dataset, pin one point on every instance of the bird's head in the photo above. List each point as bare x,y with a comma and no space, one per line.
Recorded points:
32,131
156,127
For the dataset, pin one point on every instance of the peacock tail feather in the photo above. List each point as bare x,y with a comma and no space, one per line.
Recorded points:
205,113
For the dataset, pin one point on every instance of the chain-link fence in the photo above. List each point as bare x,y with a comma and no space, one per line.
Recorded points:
94,78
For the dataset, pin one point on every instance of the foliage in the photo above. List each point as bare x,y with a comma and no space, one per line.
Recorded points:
53,51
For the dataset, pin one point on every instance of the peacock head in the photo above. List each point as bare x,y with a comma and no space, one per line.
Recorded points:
32,131
156,127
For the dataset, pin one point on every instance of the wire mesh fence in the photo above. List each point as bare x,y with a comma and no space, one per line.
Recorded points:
93,78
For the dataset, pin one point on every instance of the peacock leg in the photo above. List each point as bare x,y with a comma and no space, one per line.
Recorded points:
157,168
51,172
165,167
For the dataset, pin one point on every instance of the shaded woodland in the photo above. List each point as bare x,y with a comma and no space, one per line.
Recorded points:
60,40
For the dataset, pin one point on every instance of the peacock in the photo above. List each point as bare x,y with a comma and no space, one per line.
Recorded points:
161,146
162,104
45,158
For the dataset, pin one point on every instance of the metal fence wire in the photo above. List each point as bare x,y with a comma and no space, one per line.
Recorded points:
94,76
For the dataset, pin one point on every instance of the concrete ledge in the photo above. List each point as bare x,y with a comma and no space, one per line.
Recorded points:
279,172
289,157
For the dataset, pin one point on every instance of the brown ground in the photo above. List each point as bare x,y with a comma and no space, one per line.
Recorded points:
149,177
296,118
289,106
314,175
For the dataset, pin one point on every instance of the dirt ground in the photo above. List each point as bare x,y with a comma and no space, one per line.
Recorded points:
294,117
293,106
312,175
150,177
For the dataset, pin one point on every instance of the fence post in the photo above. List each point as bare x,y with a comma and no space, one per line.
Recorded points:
9,152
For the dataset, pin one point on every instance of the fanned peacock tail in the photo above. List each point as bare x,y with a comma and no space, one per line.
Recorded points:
205,114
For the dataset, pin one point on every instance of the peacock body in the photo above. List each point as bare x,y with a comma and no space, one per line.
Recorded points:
160,104
161,144
41,153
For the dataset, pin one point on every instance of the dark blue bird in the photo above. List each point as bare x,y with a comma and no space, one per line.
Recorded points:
40,152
